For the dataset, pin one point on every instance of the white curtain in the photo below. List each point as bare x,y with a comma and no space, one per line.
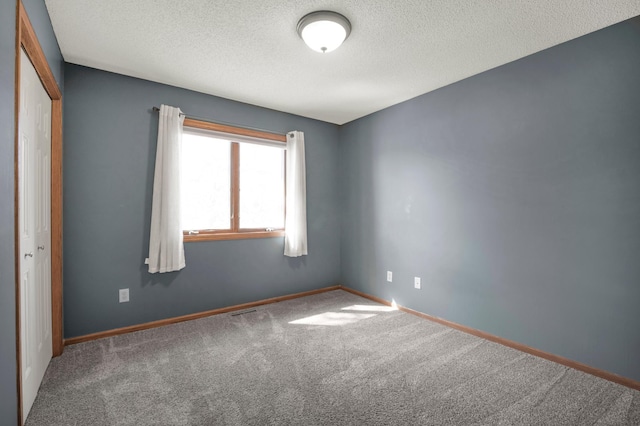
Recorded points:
166,248
295,240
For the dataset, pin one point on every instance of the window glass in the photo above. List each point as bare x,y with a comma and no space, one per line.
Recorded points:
261,187
233,182
206,183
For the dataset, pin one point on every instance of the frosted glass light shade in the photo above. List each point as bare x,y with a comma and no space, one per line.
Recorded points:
324,31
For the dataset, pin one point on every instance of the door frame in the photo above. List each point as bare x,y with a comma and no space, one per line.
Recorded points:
26,39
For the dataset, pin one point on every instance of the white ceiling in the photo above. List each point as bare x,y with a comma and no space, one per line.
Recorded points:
249,51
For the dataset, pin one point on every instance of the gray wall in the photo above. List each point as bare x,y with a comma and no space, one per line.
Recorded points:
8,401
515,196
39,17
110,140
40,21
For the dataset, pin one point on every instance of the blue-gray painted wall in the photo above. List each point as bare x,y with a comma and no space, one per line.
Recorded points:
515,196
39,18
8,400
110,136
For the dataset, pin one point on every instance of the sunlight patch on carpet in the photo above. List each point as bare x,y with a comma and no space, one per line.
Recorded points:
371,308
333,319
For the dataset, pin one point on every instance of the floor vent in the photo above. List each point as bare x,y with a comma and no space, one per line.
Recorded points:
235,314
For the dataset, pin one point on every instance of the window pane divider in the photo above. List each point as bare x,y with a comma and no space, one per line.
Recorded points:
235,186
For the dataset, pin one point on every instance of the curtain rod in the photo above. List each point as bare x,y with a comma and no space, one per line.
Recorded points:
156,109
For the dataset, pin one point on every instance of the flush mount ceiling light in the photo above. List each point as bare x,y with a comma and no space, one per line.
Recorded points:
324,31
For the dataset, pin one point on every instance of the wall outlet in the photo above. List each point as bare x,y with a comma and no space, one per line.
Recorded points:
124,295
389,276
417,283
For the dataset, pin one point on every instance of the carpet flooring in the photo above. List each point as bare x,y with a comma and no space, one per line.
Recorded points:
328,359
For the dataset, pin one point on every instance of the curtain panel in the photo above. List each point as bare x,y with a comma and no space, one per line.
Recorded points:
166,248
295,240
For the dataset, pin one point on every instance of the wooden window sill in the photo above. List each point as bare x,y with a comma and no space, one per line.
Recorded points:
218,236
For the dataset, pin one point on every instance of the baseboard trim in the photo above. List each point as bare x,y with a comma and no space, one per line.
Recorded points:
633,384
189,317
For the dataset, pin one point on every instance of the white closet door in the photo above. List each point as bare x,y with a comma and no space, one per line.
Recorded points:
34,217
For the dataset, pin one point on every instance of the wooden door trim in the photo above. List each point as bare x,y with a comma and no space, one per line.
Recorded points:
26,39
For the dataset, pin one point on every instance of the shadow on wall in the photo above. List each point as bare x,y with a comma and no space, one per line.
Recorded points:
148,196
165,279
297,262
363,232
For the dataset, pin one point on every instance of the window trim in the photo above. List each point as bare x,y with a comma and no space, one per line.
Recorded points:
235,233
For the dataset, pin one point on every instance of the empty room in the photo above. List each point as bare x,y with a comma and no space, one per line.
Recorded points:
319,212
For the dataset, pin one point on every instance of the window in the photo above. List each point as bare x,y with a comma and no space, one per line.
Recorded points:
233,182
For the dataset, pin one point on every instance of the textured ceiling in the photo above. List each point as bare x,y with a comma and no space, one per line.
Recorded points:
248,50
